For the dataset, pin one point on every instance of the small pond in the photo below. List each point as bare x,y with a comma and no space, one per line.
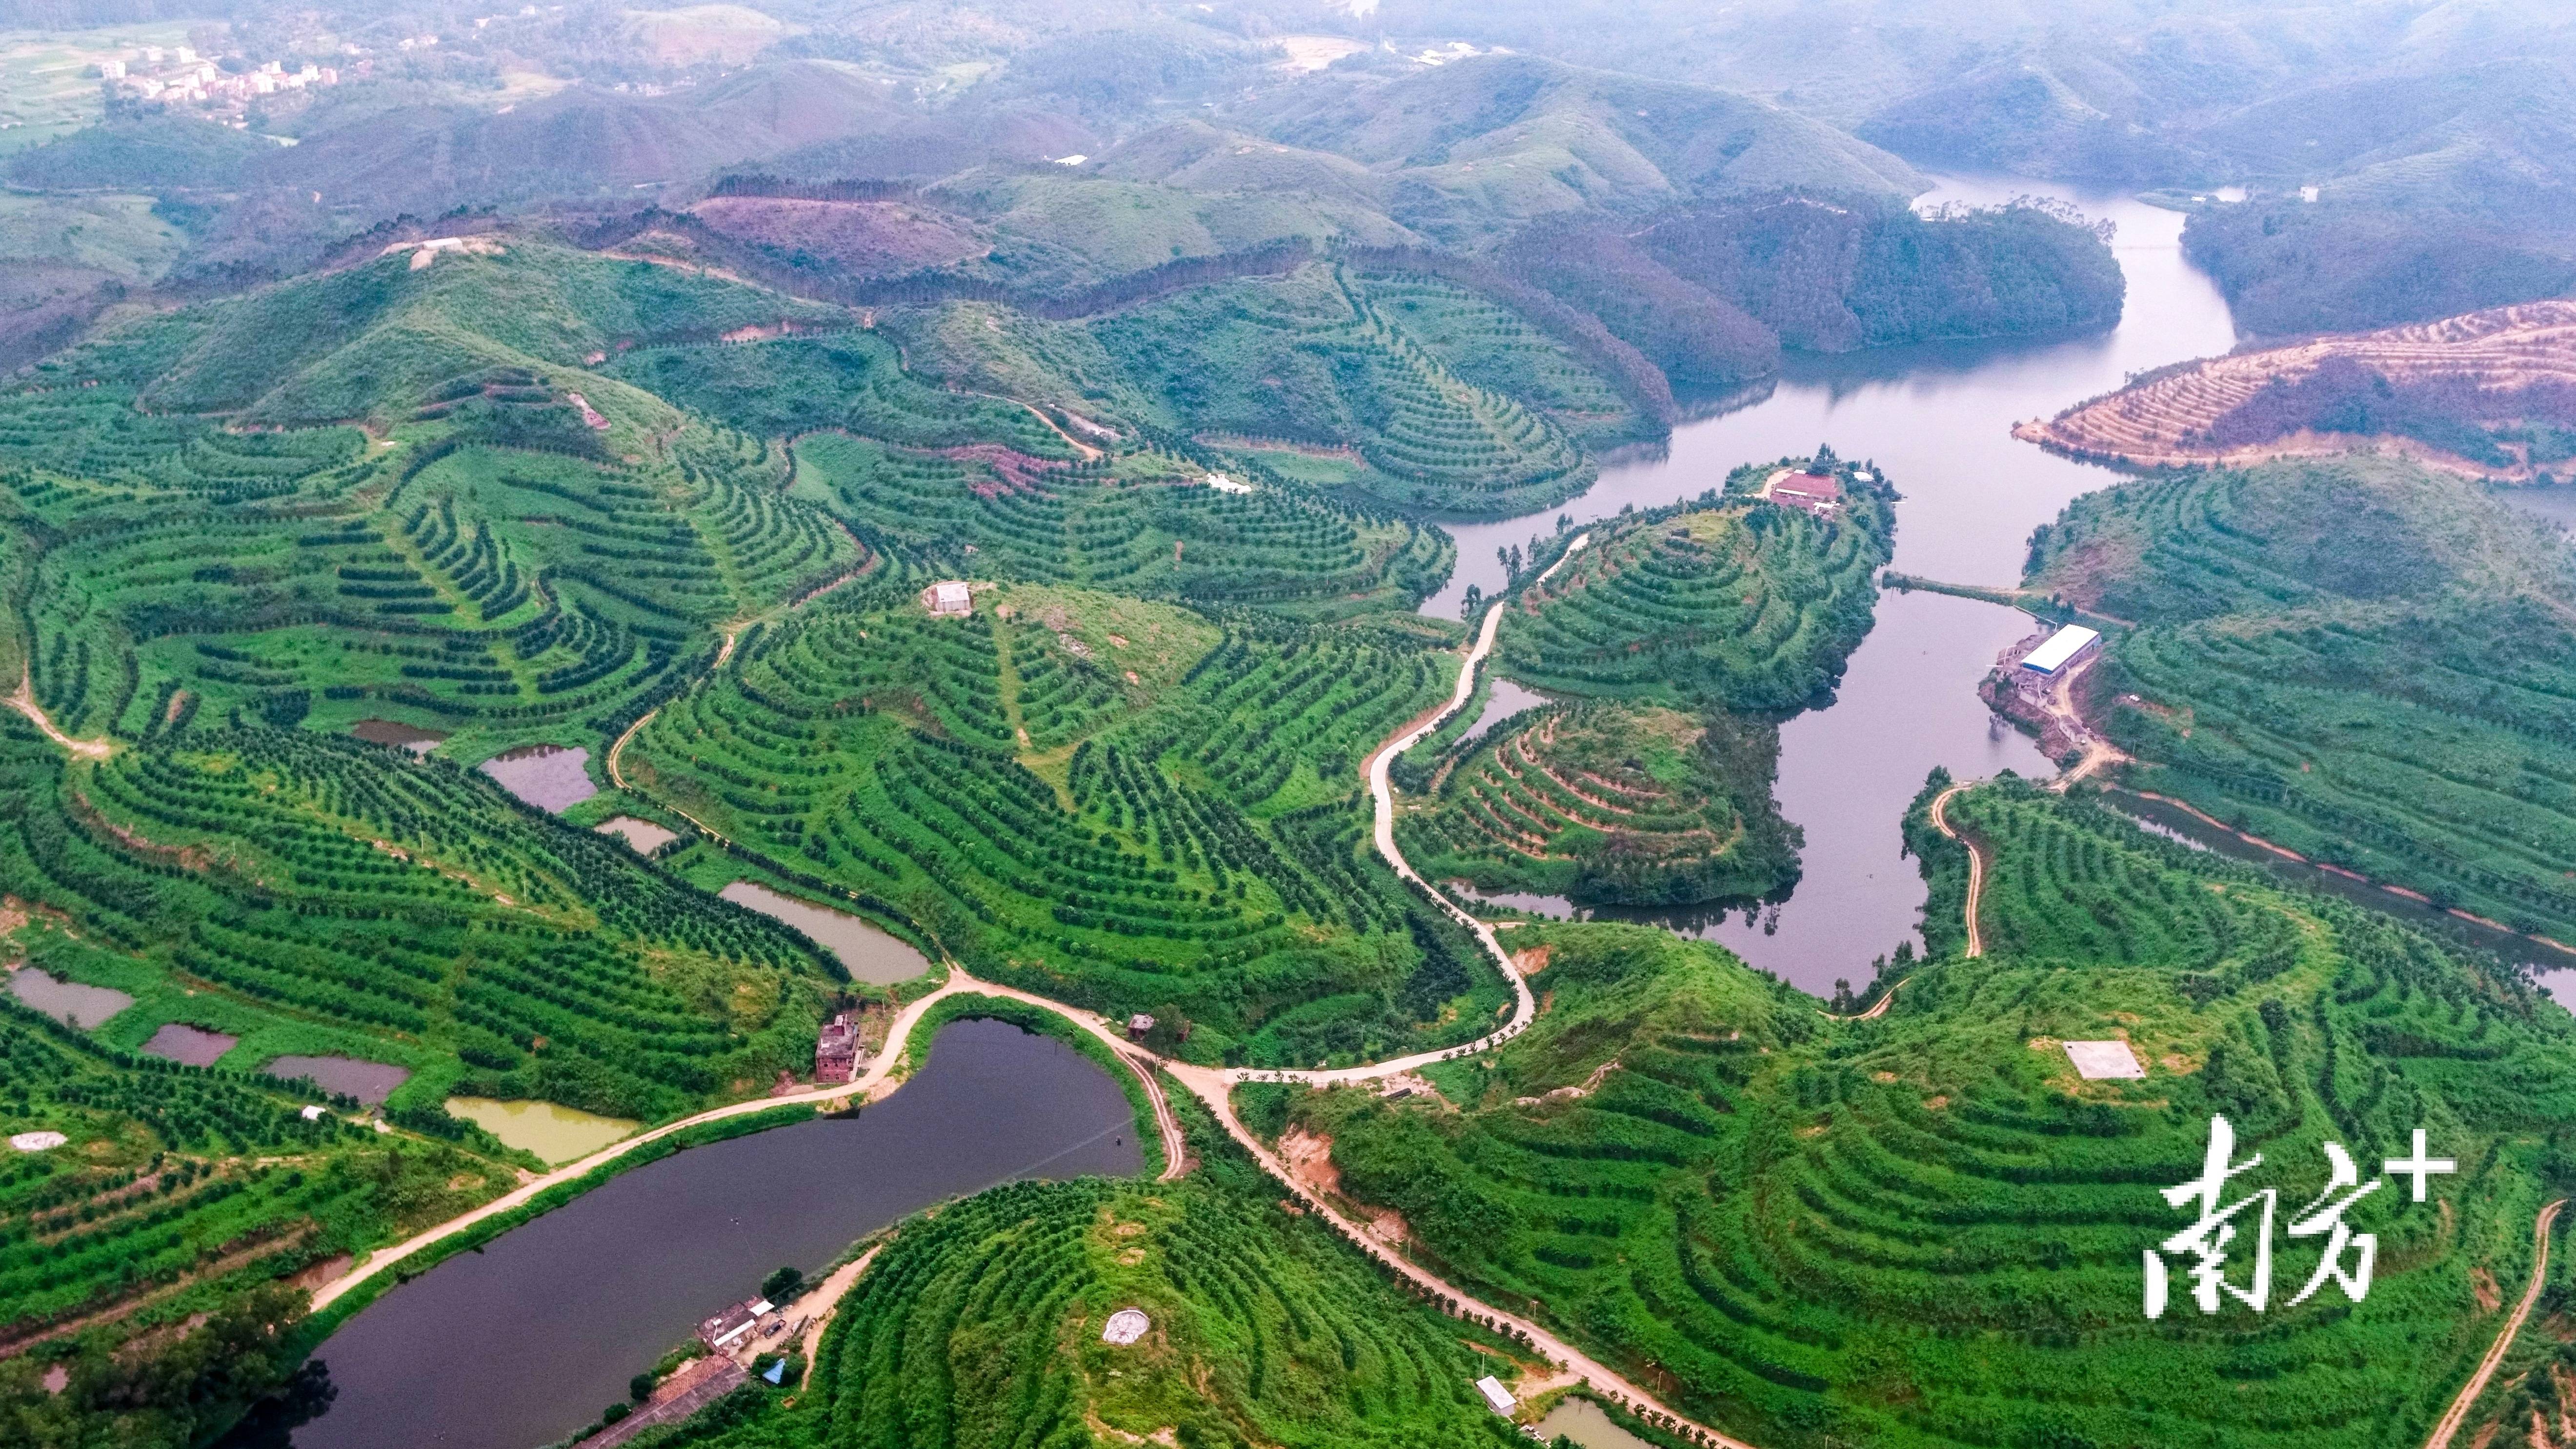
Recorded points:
644,835
550,777
871,954
68,1002
1505,699
552,1131
193,1045
388,732
369,1082
1583,1421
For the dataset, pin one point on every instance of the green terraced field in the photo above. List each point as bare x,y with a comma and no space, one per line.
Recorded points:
1433,398
1734,603
1611,802
1926,1230
315,890
981,1324
1148,529
493,564
1111,801
2364,661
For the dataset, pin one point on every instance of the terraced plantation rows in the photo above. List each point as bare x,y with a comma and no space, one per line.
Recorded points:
1925,1229
1611,802
1491,347
984,1324
1148,529
1098,798
1305,373
1745,605
851,379
2365,662
175,1187
323,894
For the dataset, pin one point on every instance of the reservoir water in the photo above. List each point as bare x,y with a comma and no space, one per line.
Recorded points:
1938,420
527,1340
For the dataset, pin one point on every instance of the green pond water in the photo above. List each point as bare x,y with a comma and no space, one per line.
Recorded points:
553,1132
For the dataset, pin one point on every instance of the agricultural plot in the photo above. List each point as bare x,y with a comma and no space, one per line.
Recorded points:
2363,661
173,1176
1144,526
1490,346
1103,799
498,568
986,1323
314,895
1611,802
1927,1230
1738,604
851,380
1424,395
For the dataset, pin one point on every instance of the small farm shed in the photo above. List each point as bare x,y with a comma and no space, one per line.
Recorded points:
2060,649
949,596
1498,1398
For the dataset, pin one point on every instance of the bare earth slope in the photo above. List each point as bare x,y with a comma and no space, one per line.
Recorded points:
2491,393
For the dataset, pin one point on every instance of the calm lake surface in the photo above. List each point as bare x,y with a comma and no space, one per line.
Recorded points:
1938,419
871,954
524,1342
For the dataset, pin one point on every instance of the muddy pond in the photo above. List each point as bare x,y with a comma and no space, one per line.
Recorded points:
871,954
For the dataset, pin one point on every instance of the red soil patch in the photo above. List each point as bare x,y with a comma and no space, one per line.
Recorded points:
2494,366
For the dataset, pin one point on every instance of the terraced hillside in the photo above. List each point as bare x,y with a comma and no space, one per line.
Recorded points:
2364,661
1925,1229
1403,391
309,895
2491,393
1146,526
185,1179
1742,604
1106,800
500,563
1612,802
982,1323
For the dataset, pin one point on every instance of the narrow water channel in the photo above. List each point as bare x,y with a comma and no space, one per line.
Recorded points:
526,1340
1938,419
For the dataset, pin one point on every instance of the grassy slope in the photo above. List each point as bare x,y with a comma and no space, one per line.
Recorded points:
1926,1230
2362,660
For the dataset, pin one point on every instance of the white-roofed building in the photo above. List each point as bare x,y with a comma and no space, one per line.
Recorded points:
949,596
2060,649
1496,1396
